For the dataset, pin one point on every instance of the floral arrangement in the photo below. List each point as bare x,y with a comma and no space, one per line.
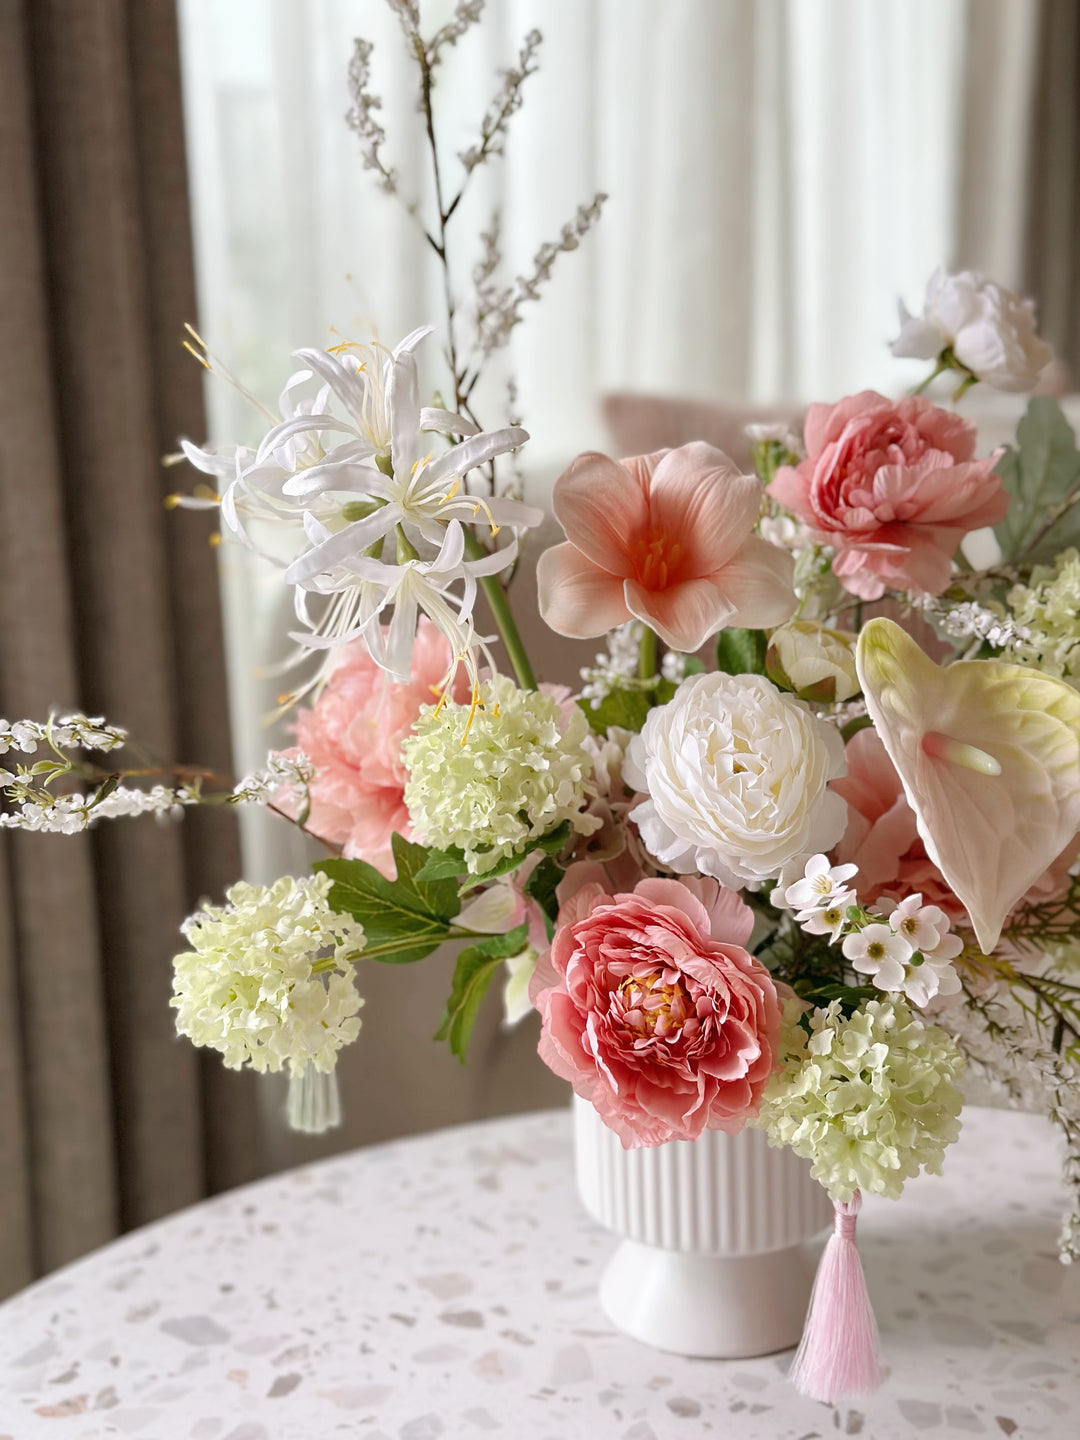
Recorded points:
804,841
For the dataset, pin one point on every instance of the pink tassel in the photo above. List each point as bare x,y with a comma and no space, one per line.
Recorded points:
838,1356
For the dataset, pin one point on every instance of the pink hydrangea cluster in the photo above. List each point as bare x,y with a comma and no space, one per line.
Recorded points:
353,734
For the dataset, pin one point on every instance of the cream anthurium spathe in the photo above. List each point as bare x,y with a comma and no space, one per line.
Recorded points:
989,757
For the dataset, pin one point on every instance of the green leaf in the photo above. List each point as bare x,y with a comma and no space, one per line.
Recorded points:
741,652
692,665
1040,474
549,844
860,722
628,708
443,864
541,886
473,974
403,919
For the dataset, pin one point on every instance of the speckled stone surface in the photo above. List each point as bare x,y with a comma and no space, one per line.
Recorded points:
446,1286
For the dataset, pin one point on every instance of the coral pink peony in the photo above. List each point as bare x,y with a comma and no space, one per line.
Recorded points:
666,538
882,838
655,1012
894,486
353,734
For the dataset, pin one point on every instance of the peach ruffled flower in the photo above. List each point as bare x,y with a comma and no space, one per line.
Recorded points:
354,733
894,486
667,539
655,1012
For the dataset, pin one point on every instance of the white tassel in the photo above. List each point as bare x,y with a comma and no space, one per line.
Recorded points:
314,1103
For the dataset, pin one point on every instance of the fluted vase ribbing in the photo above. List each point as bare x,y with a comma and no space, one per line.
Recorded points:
714,1260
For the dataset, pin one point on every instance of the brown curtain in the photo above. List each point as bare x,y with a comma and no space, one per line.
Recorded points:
110,604
1052,251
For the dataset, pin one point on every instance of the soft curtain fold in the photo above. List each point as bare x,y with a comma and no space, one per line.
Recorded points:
108,604
1052,272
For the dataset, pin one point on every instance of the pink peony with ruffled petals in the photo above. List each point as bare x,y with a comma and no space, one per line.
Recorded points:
653,1009
353,734
894,485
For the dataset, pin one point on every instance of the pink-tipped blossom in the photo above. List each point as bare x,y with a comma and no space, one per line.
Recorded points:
667,539
653,1009
894,486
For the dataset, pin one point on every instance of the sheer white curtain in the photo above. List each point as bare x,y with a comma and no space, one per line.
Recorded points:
778,173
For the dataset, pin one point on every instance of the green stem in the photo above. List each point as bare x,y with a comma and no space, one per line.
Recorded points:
647,655
503,616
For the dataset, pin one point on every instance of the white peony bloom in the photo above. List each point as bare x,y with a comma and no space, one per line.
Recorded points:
989,330
814,661
737,777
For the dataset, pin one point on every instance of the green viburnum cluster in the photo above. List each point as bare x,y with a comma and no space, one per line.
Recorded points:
490,782
1048,606
870,1098
248,986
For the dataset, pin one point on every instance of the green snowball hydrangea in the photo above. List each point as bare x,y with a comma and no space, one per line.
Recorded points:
490,780
249,985
1048,607
869,1098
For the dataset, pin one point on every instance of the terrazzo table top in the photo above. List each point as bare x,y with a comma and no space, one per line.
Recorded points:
446,1286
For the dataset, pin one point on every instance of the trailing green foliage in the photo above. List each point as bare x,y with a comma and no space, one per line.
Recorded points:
475,969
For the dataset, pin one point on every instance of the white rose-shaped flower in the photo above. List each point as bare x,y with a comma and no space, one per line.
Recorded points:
814,661
990,330
737,777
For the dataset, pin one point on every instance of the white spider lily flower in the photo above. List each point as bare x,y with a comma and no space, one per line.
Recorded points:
419,490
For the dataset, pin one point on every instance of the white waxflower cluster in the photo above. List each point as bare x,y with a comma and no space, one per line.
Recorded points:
969,620
491,780
269,978
294,771
1048,606
617,668
40,811
869,1098
66,732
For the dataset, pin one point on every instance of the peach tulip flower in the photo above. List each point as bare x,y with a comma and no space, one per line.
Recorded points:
989,756
667,539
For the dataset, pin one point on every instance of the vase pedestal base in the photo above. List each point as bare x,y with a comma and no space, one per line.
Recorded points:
715,1307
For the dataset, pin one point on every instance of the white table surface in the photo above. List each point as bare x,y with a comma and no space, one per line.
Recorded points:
446,1286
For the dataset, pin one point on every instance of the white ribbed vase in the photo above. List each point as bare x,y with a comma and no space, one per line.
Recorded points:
714,1260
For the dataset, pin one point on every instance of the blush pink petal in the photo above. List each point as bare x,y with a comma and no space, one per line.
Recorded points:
684,616
698,494
576,597
598,503
759,582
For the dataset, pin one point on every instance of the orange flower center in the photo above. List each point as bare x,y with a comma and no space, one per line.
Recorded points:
657,559
651,1005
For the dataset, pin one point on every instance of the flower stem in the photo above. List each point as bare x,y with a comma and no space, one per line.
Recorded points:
647,655
503,616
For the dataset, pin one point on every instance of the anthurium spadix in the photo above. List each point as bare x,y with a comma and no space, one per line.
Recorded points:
989,757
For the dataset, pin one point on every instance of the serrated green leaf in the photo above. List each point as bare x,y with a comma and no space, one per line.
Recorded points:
626,708
1040,473
741,652
473,974
403,919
